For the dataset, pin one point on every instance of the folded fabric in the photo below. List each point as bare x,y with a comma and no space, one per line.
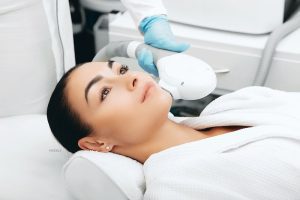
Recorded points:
250,106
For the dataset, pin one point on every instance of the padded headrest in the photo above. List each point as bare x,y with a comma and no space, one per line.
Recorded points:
95,175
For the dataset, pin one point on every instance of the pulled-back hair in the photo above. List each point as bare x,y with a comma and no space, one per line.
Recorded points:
64,122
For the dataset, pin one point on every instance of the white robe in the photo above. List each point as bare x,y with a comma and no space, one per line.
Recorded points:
259,162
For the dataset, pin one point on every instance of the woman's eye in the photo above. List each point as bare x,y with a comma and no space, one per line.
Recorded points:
104,93
123,69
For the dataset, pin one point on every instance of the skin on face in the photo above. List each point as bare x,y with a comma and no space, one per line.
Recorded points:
117,109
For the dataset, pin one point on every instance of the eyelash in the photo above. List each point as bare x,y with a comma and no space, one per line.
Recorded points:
105,91
123,67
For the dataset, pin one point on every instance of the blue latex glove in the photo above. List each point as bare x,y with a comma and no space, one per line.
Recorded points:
146,61
157,33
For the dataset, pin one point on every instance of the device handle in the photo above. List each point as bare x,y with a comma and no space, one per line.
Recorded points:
129,49
134,48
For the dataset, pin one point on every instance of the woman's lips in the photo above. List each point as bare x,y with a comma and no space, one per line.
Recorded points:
146,91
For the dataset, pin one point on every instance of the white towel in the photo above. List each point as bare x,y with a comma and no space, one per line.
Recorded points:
260,162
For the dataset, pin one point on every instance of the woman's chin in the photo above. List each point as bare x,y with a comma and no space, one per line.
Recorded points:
168,97
165,101
158,103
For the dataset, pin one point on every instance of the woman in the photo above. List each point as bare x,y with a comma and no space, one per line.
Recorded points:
122,111
107,108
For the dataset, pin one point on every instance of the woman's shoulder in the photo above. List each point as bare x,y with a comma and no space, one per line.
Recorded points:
253,98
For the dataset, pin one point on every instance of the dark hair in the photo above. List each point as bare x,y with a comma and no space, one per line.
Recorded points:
65,124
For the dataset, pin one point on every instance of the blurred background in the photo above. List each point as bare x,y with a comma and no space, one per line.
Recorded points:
90,25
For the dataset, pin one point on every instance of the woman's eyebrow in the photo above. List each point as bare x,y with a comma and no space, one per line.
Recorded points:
110,63
90,84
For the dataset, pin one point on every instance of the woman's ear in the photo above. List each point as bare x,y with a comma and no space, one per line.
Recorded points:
94,144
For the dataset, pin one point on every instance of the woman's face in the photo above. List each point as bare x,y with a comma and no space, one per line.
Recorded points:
123,107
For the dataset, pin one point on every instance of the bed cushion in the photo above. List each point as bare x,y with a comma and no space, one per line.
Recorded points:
95,175
31,160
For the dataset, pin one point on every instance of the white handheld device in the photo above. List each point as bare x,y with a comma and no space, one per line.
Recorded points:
184,76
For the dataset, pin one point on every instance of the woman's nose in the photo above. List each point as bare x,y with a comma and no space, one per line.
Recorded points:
130,81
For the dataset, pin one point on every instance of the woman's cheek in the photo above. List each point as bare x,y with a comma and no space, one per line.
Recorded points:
122,101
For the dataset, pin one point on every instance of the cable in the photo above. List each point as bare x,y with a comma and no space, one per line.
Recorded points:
61,42
275,37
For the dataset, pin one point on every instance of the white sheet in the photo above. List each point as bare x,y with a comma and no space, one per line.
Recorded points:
260,162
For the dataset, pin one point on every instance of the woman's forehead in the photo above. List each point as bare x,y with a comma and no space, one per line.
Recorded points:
91,68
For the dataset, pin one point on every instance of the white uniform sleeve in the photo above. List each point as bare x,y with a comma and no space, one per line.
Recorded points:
140,9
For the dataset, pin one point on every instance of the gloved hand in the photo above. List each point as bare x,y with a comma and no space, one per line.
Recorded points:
157,33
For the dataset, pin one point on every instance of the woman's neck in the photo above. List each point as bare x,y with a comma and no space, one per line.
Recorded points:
168,135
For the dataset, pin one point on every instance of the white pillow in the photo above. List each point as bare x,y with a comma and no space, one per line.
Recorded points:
95,175
31,160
